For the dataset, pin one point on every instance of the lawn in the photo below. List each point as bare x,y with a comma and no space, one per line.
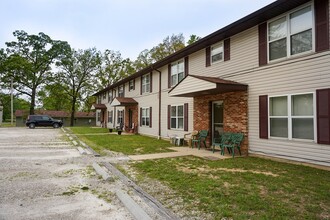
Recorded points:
244,188
100,140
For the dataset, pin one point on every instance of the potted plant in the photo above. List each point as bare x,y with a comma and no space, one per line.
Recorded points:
119,132
110,130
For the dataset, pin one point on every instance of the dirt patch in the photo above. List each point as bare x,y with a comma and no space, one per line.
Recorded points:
204,170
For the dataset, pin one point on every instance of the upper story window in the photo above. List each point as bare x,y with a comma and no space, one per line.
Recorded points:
99,99
216,53
177,72
131,85
145,83
292,116
291,34
110,96
104,95
121,91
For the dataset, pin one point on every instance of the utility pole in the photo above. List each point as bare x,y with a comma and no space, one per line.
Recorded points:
11,103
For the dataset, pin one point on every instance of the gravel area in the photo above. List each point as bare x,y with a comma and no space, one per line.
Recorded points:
43,176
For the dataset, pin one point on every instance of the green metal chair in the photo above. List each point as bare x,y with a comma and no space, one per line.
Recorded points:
235,142
200,138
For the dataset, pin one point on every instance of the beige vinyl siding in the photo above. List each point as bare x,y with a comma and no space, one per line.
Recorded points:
191,84
150,100
301,75
243,53
166,100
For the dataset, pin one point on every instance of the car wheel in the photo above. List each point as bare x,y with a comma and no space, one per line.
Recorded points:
56,125
32,125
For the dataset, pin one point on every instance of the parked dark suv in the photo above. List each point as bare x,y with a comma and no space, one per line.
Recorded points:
42,121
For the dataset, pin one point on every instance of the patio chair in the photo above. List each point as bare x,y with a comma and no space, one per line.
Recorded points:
235,142
200,138
189,137
221,141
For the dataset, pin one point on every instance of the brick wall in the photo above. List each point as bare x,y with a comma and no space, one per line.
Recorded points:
135,119
235,114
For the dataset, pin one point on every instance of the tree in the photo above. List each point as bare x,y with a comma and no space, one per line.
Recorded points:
113,68
76,73
193,38
169,46
53,98
28,62
18,104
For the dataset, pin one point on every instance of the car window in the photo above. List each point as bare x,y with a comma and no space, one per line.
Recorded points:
45,118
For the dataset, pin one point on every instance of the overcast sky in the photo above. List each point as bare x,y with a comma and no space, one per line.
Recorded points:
128,26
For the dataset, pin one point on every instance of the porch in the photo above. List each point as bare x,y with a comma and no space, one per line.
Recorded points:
219,106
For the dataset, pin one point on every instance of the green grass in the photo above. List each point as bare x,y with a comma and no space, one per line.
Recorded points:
244,188
127,144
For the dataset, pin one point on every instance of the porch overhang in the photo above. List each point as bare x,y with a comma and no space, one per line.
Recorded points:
98,106
192,86
123,101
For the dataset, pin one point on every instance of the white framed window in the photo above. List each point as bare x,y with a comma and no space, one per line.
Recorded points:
145,83
177,117
110,113
120,117
292,116
98,116
216,53
131,85
145,117
104,95
110,96
291,34
99,99
177,72
121,91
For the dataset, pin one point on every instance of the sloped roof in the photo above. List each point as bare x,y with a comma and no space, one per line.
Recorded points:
258,17
56,114
123,101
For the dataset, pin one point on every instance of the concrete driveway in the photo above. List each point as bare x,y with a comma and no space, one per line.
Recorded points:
42,176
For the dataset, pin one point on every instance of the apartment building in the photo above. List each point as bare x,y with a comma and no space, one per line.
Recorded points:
266,75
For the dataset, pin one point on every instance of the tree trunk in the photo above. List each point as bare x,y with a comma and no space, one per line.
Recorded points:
33,100
73,109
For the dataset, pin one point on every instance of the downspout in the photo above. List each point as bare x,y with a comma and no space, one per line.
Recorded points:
159,103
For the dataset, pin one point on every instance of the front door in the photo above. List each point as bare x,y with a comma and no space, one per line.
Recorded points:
217,119
130,118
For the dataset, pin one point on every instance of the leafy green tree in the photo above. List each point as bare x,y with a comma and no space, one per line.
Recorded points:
18,104
170,45
113,68
28,63
193,38
77,71
53,98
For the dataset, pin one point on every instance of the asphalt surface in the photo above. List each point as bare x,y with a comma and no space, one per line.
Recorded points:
43,176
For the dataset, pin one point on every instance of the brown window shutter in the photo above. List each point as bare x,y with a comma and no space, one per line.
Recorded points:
141,86
186,66
322,25
263,117
263,44
124,90
140,117
133,84
169,117
150,117
323,116
169,75
226,49
208,56
150,78
185,115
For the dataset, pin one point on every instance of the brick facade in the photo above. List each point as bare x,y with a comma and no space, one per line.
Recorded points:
135,118
235,114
